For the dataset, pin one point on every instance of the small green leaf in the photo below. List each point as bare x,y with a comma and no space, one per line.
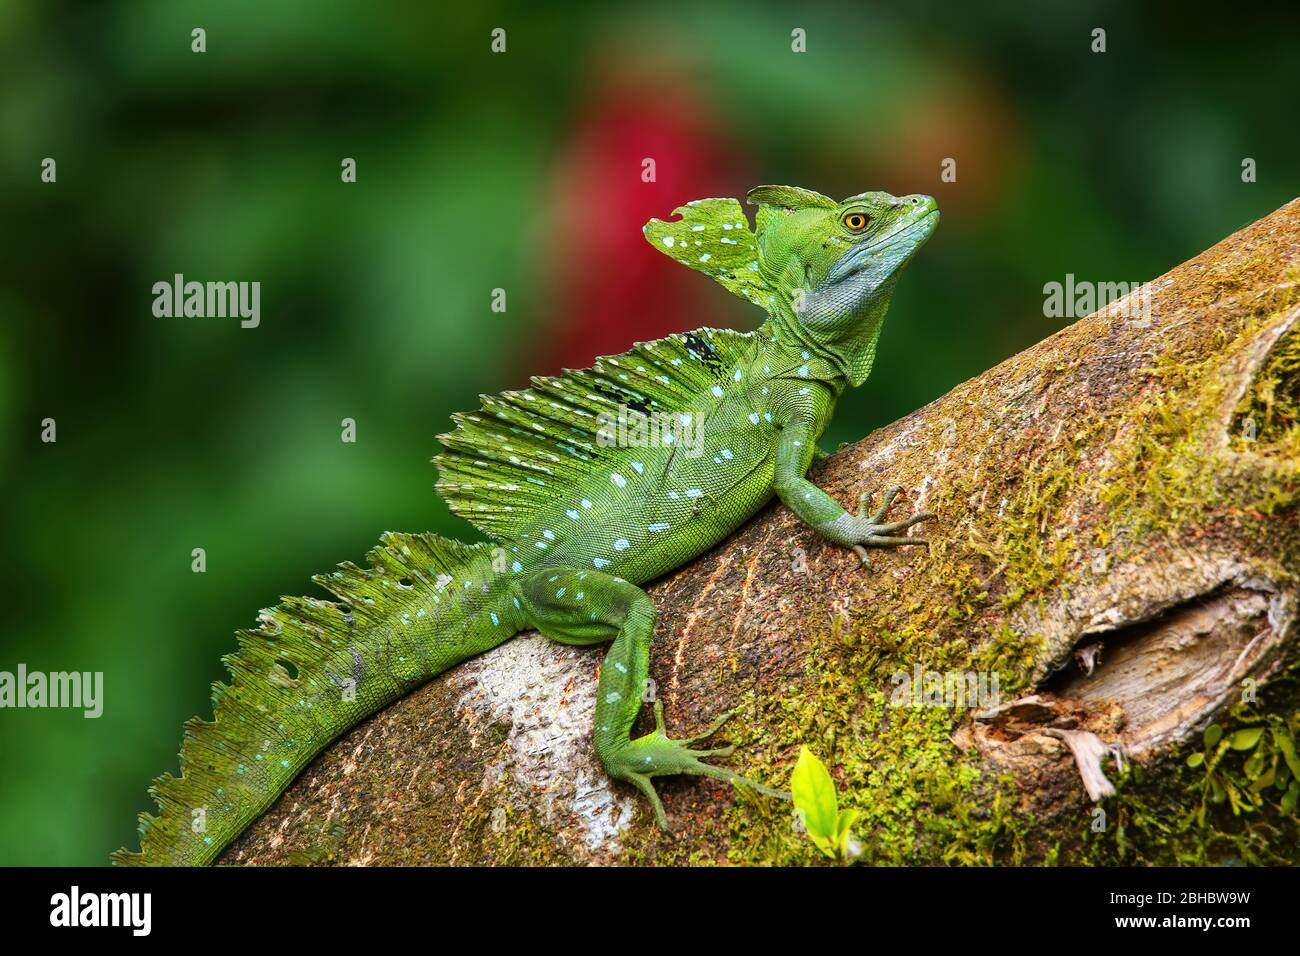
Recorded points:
1217,793
1254,765
1291,797
813,793
1247,738
844,831
827,847
1196,759
1263,782
1285,744
1234,797
1212,735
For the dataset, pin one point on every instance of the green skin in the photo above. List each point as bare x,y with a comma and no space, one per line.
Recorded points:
833,287
577,551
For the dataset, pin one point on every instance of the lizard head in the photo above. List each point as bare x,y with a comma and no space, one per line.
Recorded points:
824,270
832,266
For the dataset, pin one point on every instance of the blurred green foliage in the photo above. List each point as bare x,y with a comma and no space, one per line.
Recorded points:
175,434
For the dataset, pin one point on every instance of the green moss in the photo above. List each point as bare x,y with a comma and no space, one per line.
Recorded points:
323,850
1171,471
920,799
1268,416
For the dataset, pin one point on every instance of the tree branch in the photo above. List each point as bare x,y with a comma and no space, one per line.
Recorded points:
1116,544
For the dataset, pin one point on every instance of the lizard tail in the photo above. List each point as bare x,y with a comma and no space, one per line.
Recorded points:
313,669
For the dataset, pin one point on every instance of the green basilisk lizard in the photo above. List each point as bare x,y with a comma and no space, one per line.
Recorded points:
577,521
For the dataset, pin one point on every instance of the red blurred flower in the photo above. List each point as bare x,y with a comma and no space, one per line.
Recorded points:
609,287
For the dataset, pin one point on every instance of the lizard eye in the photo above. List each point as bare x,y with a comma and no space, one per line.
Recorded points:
856,221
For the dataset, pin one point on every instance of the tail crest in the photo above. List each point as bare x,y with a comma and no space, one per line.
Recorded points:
309,671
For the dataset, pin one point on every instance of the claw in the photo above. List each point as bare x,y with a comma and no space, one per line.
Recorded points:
713,729
722,773
890,494
642,783
889,540
726,751
659,717
904,522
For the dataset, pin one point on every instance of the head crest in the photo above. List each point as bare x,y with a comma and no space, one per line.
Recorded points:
713,236
788,197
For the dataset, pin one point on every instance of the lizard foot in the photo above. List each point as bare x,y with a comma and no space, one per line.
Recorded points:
656,754
872,532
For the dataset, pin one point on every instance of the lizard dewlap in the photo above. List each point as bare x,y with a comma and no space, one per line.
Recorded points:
707,427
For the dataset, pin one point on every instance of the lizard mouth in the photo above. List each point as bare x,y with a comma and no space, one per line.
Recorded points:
909,237
924,227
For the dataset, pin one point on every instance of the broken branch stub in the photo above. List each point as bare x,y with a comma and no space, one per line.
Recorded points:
1114,557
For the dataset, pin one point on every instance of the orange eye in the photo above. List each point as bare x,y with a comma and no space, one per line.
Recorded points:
856,221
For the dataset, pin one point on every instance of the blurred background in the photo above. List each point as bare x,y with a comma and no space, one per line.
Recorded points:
476,171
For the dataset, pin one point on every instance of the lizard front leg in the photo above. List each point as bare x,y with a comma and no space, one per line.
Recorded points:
589,607
815,507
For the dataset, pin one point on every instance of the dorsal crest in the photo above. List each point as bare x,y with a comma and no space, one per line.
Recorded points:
512,466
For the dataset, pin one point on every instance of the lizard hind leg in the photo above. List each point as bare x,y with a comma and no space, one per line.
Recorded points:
588,607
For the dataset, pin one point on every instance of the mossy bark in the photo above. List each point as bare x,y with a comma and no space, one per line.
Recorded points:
1117,543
